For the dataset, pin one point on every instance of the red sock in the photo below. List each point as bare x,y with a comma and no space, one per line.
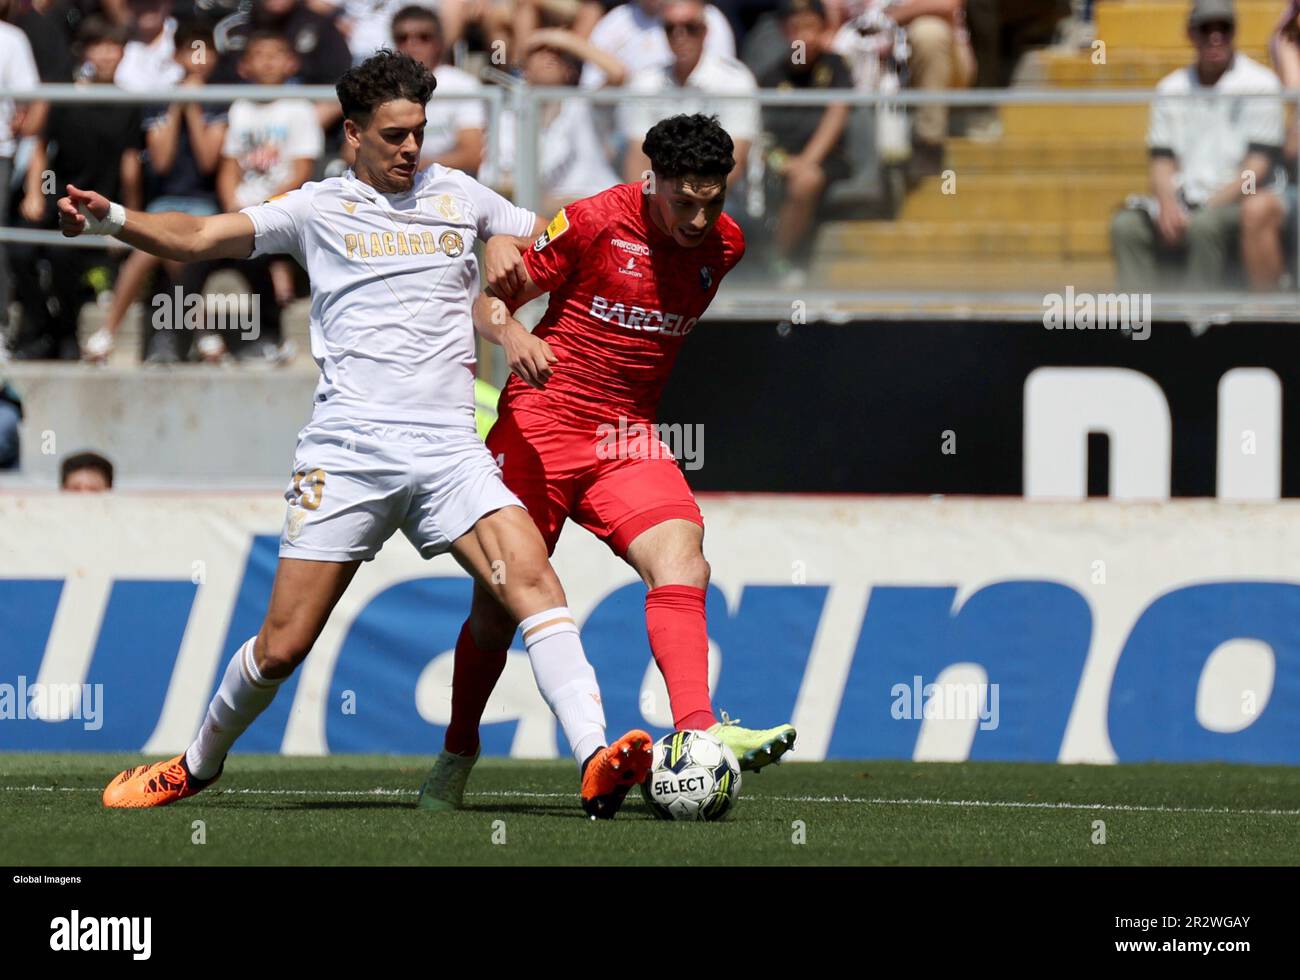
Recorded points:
474,674
679,639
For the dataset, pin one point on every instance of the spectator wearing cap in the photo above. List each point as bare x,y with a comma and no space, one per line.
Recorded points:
1199,150
86,472
688,83
453,133
808,152
1269,218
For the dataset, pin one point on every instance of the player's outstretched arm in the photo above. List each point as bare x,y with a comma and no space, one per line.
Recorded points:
169,235
528,356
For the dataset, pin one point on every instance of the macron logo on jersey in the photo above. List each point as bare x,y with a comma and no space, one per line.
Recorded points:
636,248
637,318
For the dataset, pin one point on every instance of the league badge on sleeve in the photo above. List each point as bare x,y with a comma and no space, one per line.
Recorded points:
558,226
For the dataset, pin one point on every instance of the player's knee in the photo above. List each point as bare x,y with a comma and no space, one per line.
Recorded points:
687,569
698,571
528,584
279,651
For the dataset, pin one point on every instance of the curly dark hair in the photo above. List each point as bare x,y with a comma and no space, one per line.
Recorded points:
697,145
382,77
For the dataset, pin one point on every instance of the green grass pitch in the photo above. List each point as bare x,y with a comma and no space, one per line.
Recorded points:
359,810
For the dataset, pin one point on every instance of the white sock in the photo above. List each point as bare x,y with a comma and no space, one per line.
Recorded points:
565,678
243,695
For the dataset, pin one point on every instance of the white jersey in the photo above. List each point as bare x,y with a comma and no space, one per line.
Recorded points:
713,75
392,277
150,67
1210,135
17,70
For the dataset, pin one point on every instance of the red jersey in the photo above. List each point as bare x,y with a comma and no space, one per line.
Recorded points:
624,296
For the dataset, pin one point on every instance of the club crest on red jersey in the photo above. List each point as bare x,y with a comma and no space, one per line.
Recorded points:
706,277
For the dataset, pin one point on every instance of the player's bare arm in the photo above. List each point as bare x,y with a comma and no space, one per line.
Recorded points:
527,356
503,264
169,234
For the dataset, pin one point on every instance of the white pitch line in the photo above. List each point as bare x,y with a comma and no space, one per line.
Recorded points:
869,801
1124,807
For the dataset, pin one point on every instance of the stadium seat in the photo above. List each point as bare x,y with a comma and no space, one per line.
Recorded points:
1042,192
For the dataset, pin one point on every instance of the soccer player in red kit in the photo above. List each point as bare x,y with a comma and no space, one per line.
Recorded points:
629,271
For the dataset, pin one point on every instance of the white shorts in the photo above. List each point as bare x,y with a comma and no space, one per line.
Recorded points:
355,483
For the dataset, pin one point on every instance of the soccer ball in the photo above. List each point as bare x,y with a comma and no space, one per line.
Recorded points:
693,776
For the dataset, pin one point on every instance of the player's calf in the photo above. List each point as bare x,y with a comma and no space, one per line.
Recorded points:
529,591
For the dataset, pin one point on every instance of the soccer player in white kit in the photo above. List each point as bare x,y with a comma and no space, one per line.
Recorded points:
391,444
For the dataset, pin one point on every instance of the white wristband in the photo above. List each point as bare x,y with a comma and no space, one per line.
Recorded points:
110,225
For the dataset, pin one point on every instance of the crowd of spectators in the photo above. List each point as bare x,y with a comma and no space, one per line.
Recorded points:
693,54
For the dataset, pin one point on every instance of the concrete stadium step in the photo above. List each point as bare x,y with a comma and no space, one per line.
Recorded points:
1125,68
1074,123
294,323
1148,24
995,197
1045,276
876,240
1066,157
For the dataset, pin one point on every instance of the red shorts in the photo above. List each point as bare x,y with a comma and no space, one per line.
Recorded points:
615,484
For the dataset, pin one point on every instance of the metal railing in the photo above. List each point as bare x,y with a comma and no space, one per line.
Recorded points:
525,104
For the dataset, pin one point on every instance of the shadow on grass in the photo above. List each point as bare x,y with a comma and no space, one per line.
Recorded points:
395,806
